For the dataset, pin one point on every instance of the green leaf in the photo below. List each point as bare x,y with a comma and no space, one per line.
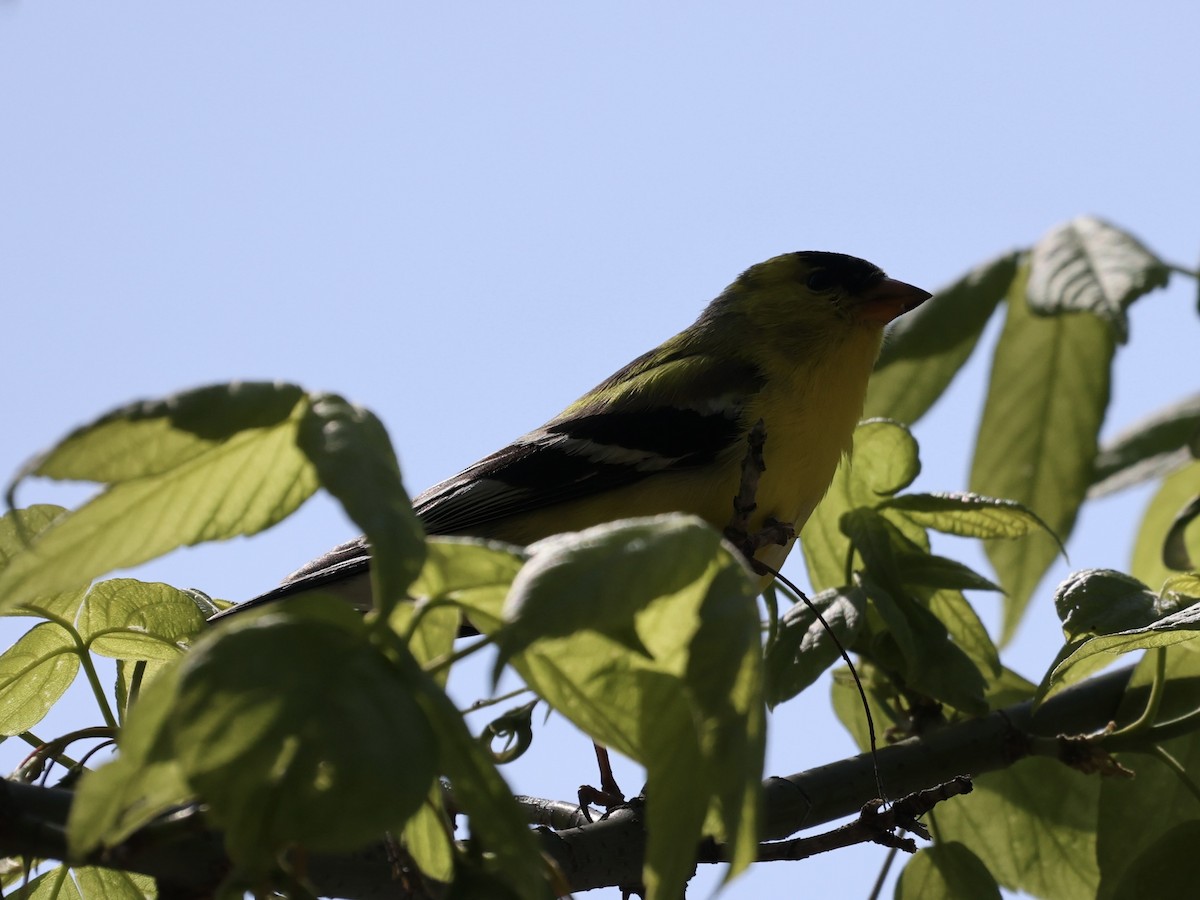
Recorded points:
1033,827
1009,689
1046,400
1177,627
143,782
290,725
427,838
932,664
55,884
110,884
1152,448
644,633
497,823
128,619
1161,513
1164,869
34,673
354,459
968,515
1139,817
1090,265
546,599
966,630
1180,586
205,465
929,570
803,648
18,528
882,699
949,871
1176,554
884,461
465,574
925,349
1101,601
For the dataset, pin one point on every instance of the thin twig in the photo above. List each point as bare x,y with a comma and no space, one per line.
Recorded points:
873,825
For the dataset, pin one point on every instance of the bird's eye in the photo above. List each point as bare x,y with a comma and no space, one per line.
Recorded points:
819,280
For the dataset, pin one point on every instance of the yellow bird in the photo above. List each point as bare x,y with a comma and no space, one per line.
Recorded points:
791,342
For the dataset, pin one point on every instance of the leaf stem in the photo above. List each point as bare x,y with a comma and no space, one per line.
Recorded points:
449,659
1157,687
1164,756
89,669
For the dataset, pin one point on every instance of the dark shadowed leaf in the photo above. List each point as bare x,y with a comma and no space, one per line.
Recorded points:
1176,491
926,348
803,648
1173,626
144,781
1090,265
1102,601
1136,814
354,460
290,728
1162,869
1176,552
1152,448
946,872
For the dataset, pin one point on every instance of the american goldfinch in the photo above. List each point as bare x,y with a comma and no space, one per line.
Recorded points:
791,342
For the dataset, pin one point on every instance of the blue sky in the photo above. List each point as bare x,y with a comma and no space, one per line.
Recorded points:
464,215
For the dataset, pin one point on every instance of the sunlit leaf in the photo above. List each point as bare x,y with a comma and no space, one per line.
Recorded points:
1033,826
968,515
427,838
18,528
645,634
96,883
55,884
1090,265
1047,396
497,823
1182,586
884,461
205,465
129,619
34,673
926,348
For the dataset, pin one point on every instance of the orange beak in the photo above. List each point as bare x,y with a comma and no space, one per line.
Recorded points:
888,299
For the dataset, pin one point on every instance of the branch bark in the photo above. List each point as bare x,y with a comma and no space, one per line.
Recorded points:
190,859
